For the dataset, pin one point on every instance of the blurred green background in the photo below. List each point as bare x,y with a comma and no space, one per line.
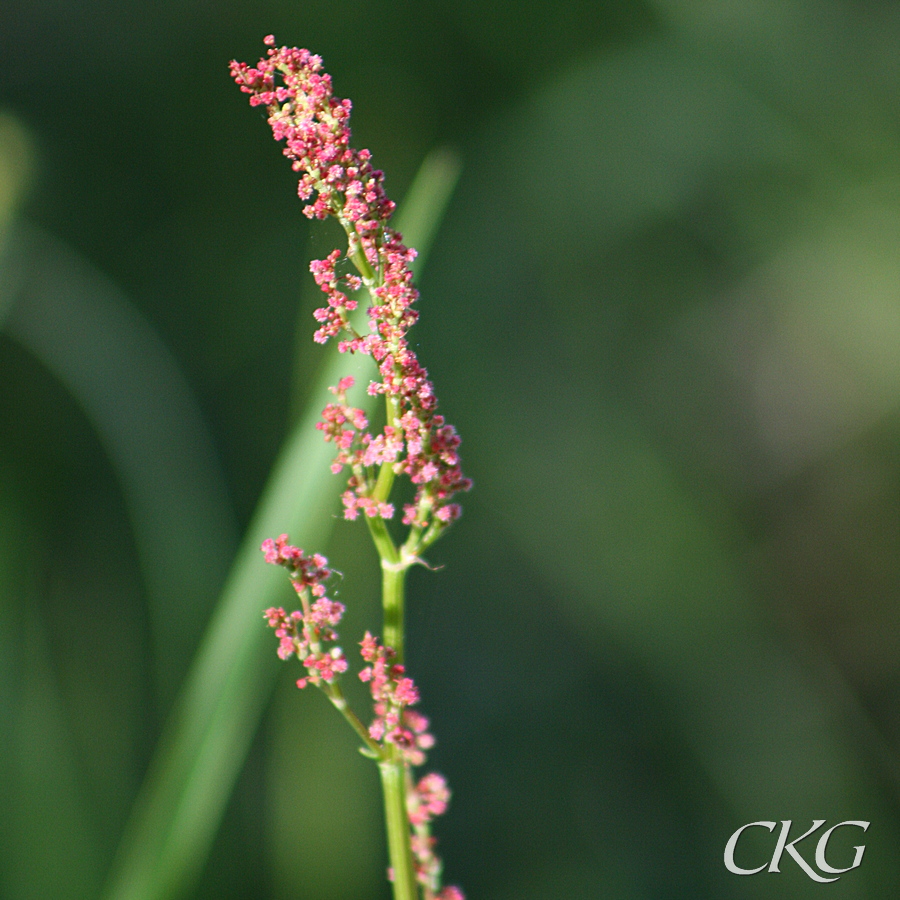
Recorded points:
663,310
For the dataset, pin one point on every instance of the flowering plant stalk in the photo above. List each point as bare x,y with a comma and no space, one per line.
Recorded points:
415,442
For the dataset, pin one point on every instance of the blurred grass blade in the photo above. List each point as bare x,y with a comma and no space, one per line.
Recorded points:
85,331
426,202
207,738
16,171
46,809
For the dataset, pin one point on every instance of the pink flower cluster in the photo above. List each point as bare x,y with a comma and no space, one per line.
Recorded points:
425,800
307,572
358,450
395,723
416,440
428,799
394,693
303,634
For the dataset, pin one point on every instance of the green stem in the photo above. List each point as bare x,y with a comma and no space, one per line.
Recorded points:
393,769
336,696
362,264
393,583
383,541
393,783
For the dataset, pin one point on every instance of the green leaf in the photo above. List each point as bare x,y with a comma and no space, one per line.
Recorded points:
90,336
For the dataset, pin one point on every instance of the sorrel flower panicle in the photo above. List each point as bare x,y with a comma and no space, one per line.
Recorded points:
415,442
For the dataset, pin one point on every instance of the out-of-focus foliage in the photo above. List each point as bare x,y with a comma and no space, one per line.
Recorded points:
663,310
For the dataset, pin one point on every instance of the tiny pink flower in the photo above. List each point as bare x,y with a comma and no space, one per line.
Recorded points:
451,893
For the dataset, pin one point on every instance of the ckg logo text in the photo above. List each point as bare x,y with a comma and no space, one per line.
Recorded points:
782,845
